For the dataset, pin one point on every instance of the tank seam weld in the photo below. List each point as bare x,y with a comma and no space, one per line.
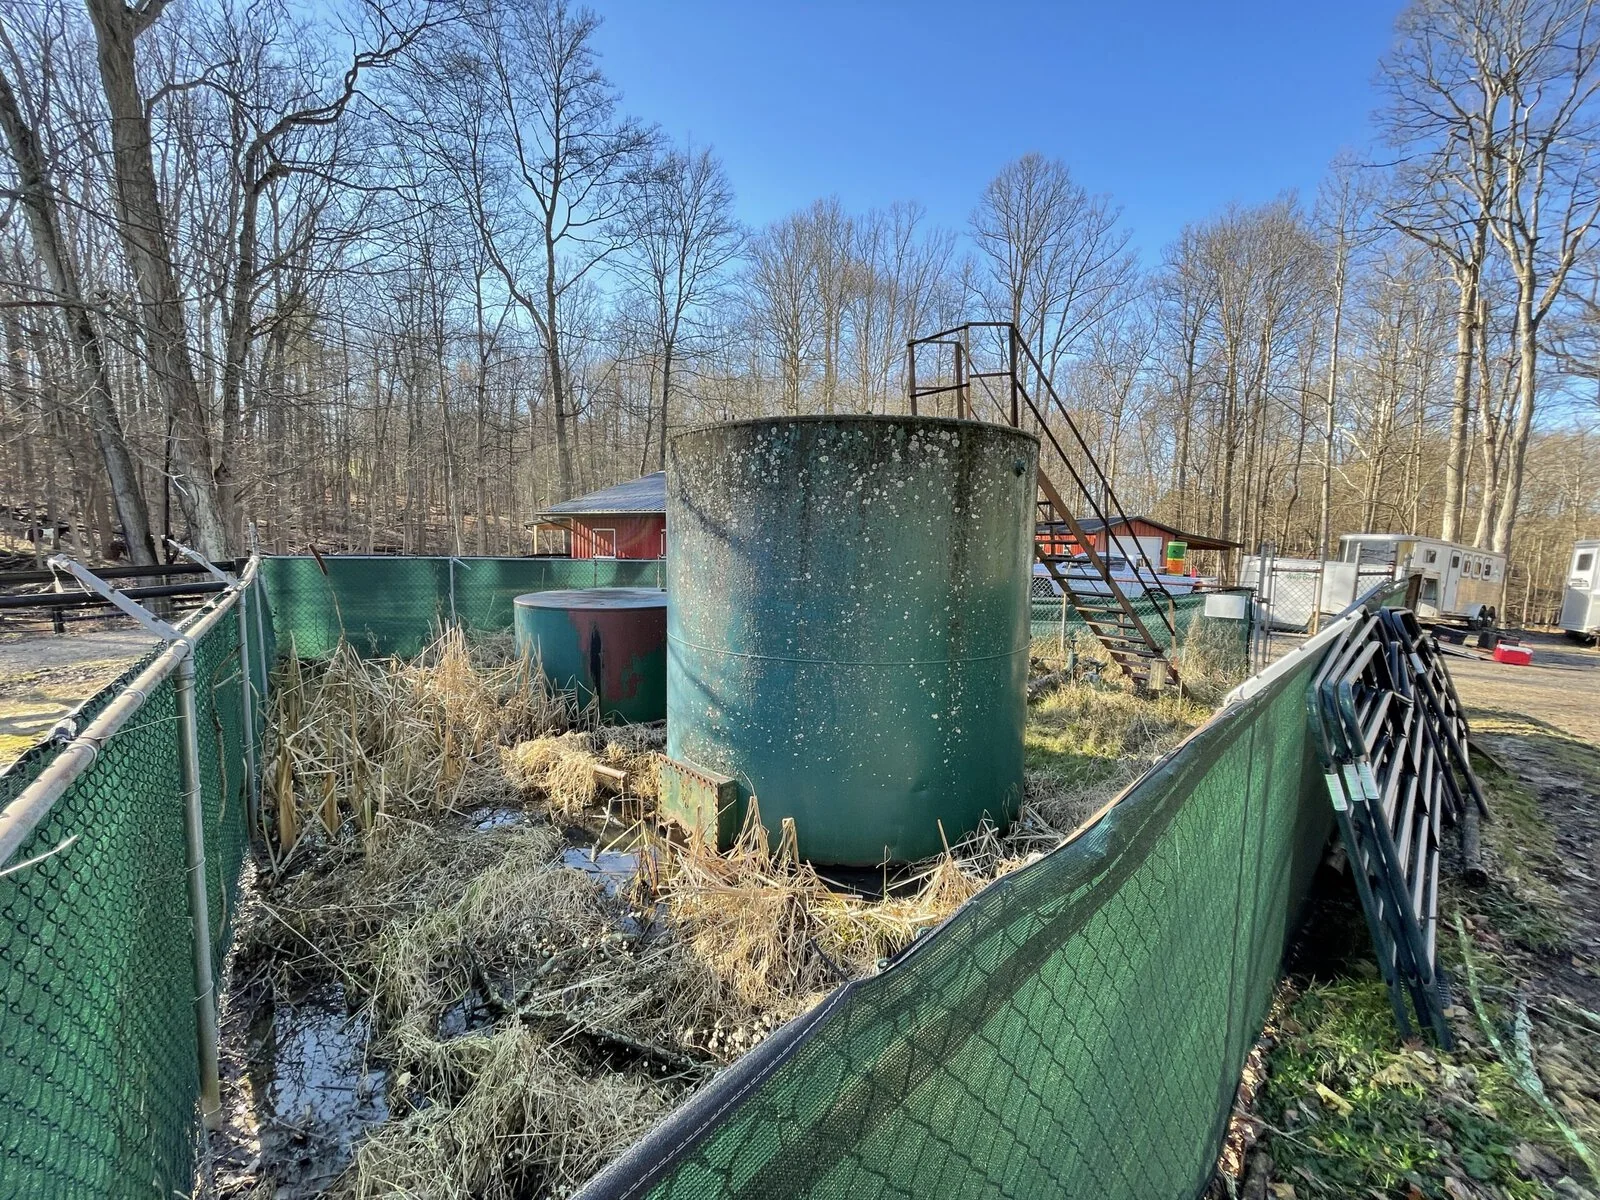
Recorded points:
844,662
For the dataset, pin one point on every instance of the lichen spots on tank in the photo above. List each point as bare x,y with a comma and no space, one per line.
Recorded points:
606,644
848,631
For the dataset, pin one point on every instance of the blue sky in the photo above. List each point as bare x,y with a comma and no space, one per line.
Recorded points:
1174,108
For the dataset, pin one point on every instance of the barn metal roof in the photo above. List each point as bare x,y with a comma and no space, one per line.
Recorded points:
1195,541
647,494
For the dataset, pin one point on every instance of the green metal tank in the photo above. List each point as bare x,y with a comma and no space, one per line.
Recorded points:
847,630
606,644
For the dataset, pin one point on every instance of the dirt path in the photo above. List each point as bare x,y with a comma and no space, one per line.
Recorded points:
1541,725
45,676
1560,688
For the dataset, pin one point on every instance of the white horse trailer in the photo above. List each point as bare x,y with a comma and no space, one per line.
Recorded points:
1459,583
1580,605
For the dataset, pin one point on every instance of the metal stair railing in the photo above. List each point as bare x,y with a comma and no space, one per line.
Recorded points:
1110,617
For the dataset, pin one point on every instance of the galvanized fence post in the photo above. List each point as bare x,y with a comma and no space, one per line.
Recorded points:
261,629
205,988
194,817
252,780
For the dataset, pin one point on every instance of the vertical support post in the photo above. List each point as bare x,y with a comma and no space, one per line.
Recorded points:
261,632
1011,342
961,381
452,564
1063,641
205,987
252,780
1316,597
911,375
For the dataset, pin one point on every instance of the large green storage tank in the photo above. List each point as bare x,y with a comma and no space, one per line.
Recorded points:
847,631
607,644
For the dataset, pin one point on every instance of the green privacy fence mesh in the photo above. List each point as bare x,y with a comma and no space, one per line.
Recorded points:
1075,1030
397,605
99,1079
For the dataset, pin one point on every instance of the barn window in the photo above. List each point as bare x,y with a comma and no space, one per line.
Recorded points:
605,543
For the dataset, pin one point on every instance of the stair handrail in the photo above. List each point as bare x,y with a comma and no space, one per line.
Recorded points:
959,336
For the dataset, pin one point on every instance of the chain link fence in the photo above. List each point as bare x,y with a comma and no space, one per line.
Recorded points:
1077,1029
98,973
1224,641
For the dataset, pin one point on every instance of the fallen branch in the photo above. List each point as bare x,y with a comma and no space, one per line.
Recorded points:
562,1026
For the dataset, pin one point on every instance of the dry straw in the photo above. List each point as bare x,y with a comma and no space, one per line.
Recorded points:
535,1018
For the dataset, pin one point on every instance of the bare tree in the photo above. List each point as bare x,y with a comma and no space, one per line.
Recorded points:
683,236
37,193
547,166
1496,99
1342,216
146,241
1057,259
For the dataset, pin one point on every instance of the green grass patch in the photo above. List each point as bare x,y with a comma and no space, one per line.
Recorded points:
1353,1112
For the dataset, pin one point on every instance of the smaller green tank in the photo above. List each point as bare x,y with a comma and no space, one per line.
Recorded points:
607,644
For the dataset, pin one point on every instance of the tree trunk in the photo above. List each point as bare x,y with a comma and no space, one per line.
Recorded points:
1455,463
38,201
142,228
1330,415
1527,383
666,391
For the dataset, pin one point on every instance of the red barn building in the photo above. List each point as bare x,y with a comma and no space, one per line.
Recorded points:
1141,538
625,521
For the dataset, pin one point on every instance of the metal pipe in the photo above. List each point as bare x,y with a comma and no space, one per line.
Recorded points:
911,374
261,633
19,818
27,578
247,713
57,600
205,987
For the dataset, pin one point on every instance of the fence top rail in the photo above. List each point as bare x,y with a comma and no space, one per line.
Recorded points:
19,818
1313,645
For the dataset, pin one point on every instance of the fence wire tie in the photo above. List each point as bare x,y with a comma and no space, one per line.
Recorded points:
62,845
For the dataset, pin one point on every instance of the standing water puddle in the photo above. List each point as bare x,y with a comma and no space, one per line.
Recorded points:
614,869
317,1093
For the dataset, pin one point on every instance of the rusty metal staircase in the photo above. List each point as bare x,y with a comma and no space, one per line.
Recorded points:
983,367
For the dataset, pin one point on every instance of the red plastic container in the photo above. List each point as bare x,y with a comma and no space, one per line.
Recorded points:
1516,656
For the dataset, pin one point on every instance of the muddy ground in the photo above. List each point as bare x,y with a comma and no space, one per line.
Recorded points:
45,676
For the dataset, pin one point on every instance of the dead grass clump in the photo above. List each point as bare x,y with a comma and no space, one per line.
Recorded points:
1212,658
559,765
527,1012
1086,742
776,937
354,739
562,766
524,1120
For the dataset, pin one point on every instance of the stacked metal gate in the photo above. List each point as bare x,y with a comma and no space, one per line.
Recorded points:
1393,736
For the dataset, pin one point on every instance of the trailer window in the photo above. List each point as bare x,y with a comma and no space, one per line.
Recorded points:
1455,562
1433,556
1585,561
